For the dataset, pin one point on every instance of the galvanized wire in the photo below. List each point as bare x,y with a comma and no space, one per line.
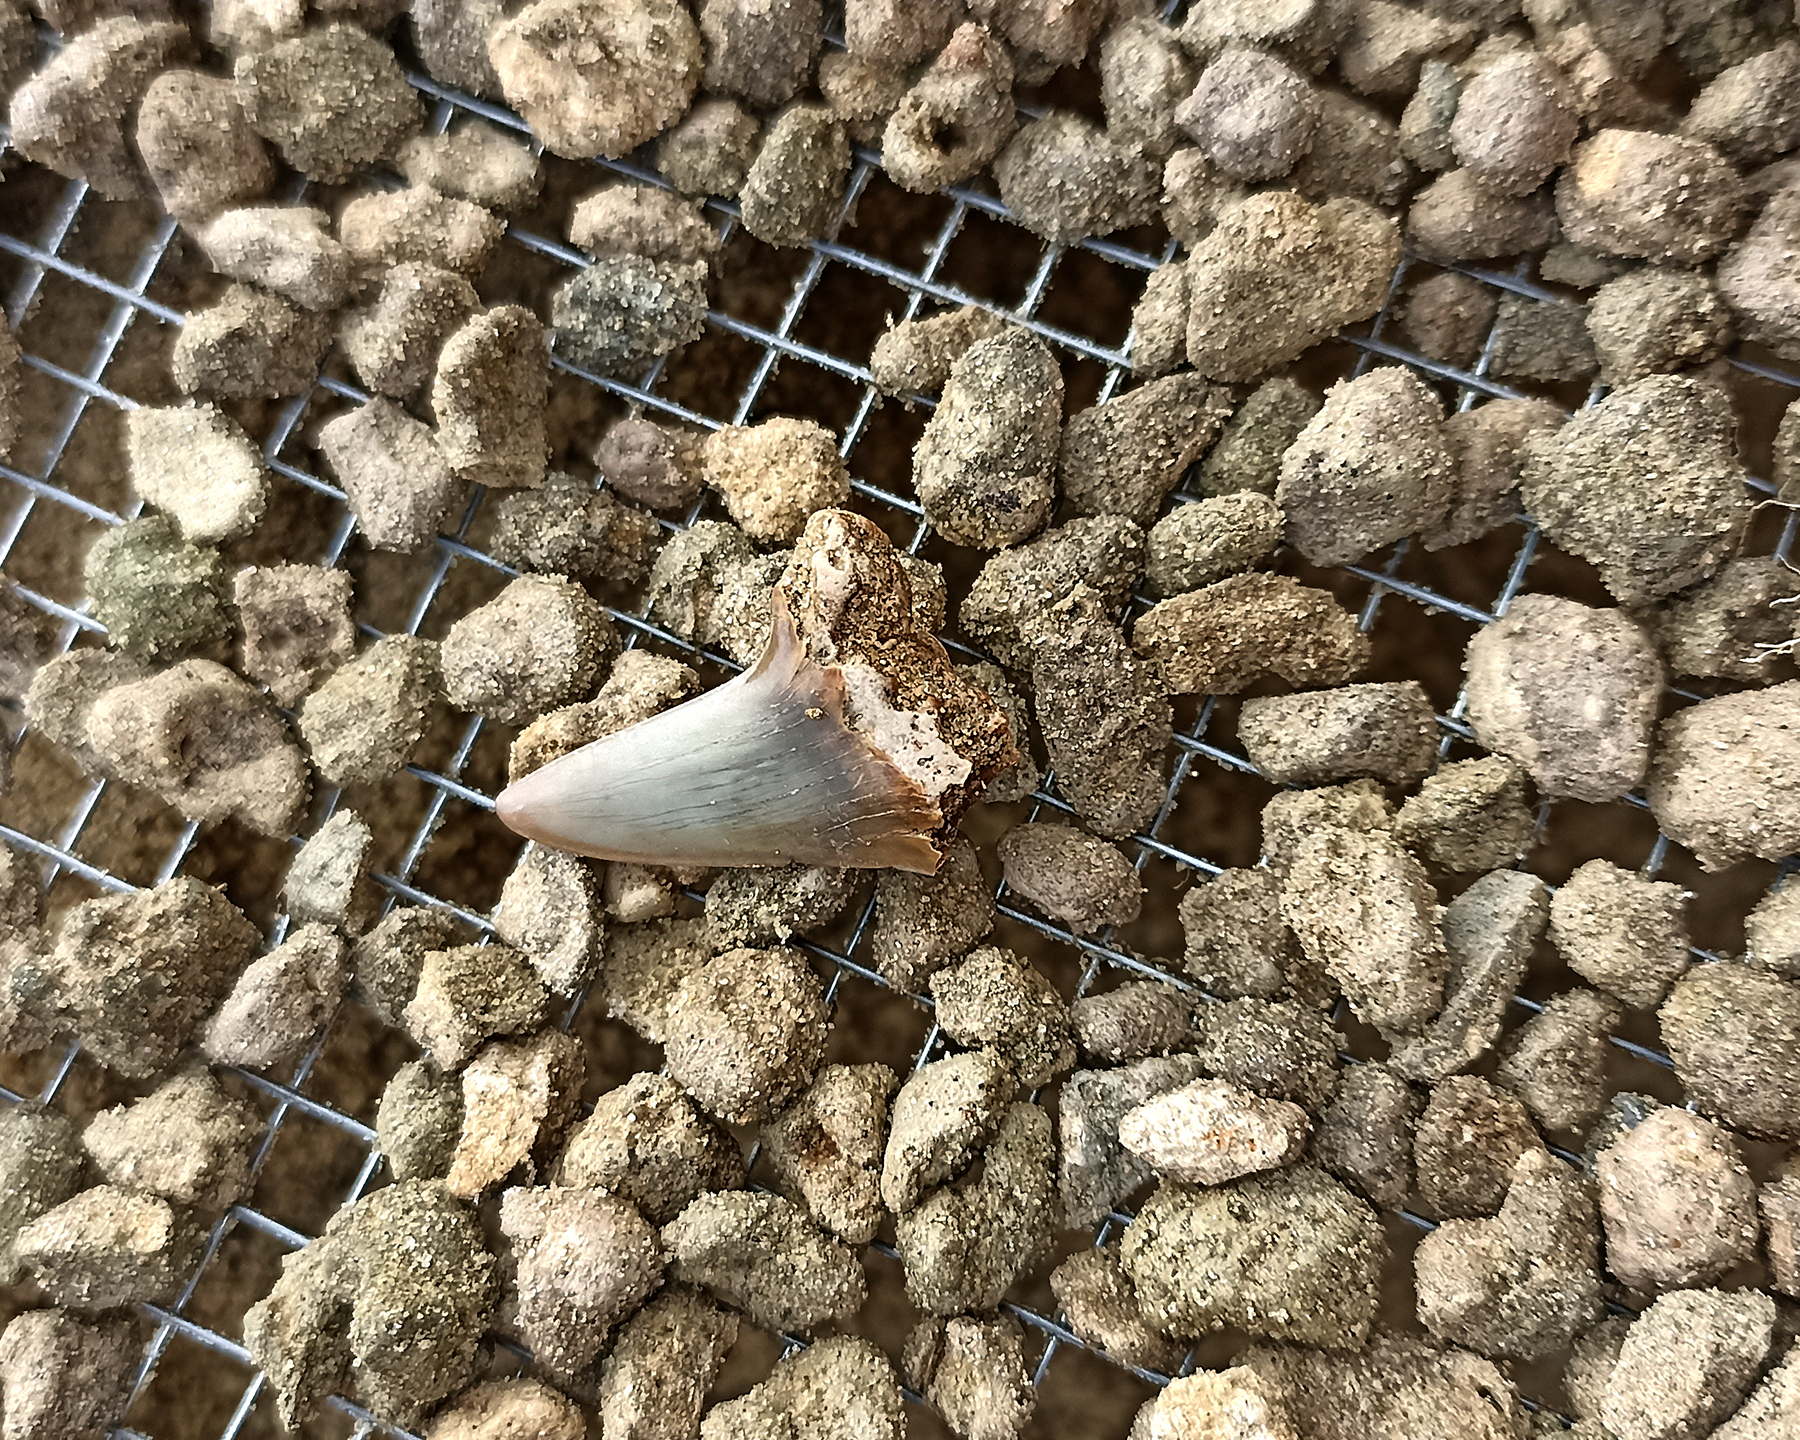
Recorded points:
1195,750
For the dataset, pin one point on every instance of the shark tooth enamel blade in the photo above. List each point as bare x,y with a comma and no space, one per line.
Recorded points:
852,741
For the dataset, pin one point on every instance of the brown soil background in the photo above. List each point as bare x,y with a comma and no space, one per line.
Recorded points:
310,1165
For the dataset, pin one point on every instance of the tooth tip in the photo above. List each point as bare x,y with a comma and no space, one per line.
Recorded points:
513,808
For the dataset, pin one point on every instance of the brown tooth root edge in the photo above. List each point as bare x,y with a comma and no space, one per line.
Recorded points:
852,741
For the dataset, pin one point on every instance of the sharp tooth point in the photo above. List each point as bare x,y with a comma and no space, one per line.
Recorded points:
852,741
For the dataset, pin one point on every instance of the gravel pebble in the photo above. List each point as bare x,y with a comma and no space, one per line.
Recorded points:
985,467
1251,114
994,999
488,395
1219,639
1569,692
1621,932
1083,882
540,643
1466,1147
366,721
752,1034
1733,1031
762,1254
1388,732
1369,468
1630,192
1280,275
1678,1204
1364,911
1287,1256
597,77
1722,783
331,100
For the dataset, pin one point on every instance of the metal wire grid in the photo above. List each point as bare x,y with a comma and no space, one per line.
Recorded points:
43,255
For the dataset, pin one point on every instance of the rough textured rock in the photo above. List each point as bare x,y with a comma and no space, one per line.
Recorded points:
1280,274
296,625
1623,933
249,343
1083,882
1524,1284
396,477
1219,639
207,742
1489,931
1646,485
488,394
597,79
1370,467
1365,1135
945,1112
1471,816
762,1254
841,1385
65,1378
72,115
1105,723
1556,1063
1008,602
794,189
365,722
518,1099
965,1245
197,464
159,596
134,976
1401,1387
924,921
393,340
1466,1147
972,1372
653,1385
1101,1303
1722,783
1487,446
1687,1362
1386,731
1237,943
752,1034
774,474
828,1147
995,999
1125,456
399,1286
1569,692
1095,1171
538,645
1678,1204
198,148
1292,1255
42,1164
109,1247
1630,192
1210,1131
469,993
281,1003
1733,1032
1364,911
585,1261
985,467
647,1142
1757,281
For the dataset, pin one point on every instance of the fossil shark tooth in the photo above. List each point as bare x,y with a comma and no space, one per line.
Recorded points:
852,741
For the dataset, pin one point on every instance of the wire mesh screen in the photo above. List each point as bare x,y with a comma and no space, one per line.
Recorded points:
777,345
